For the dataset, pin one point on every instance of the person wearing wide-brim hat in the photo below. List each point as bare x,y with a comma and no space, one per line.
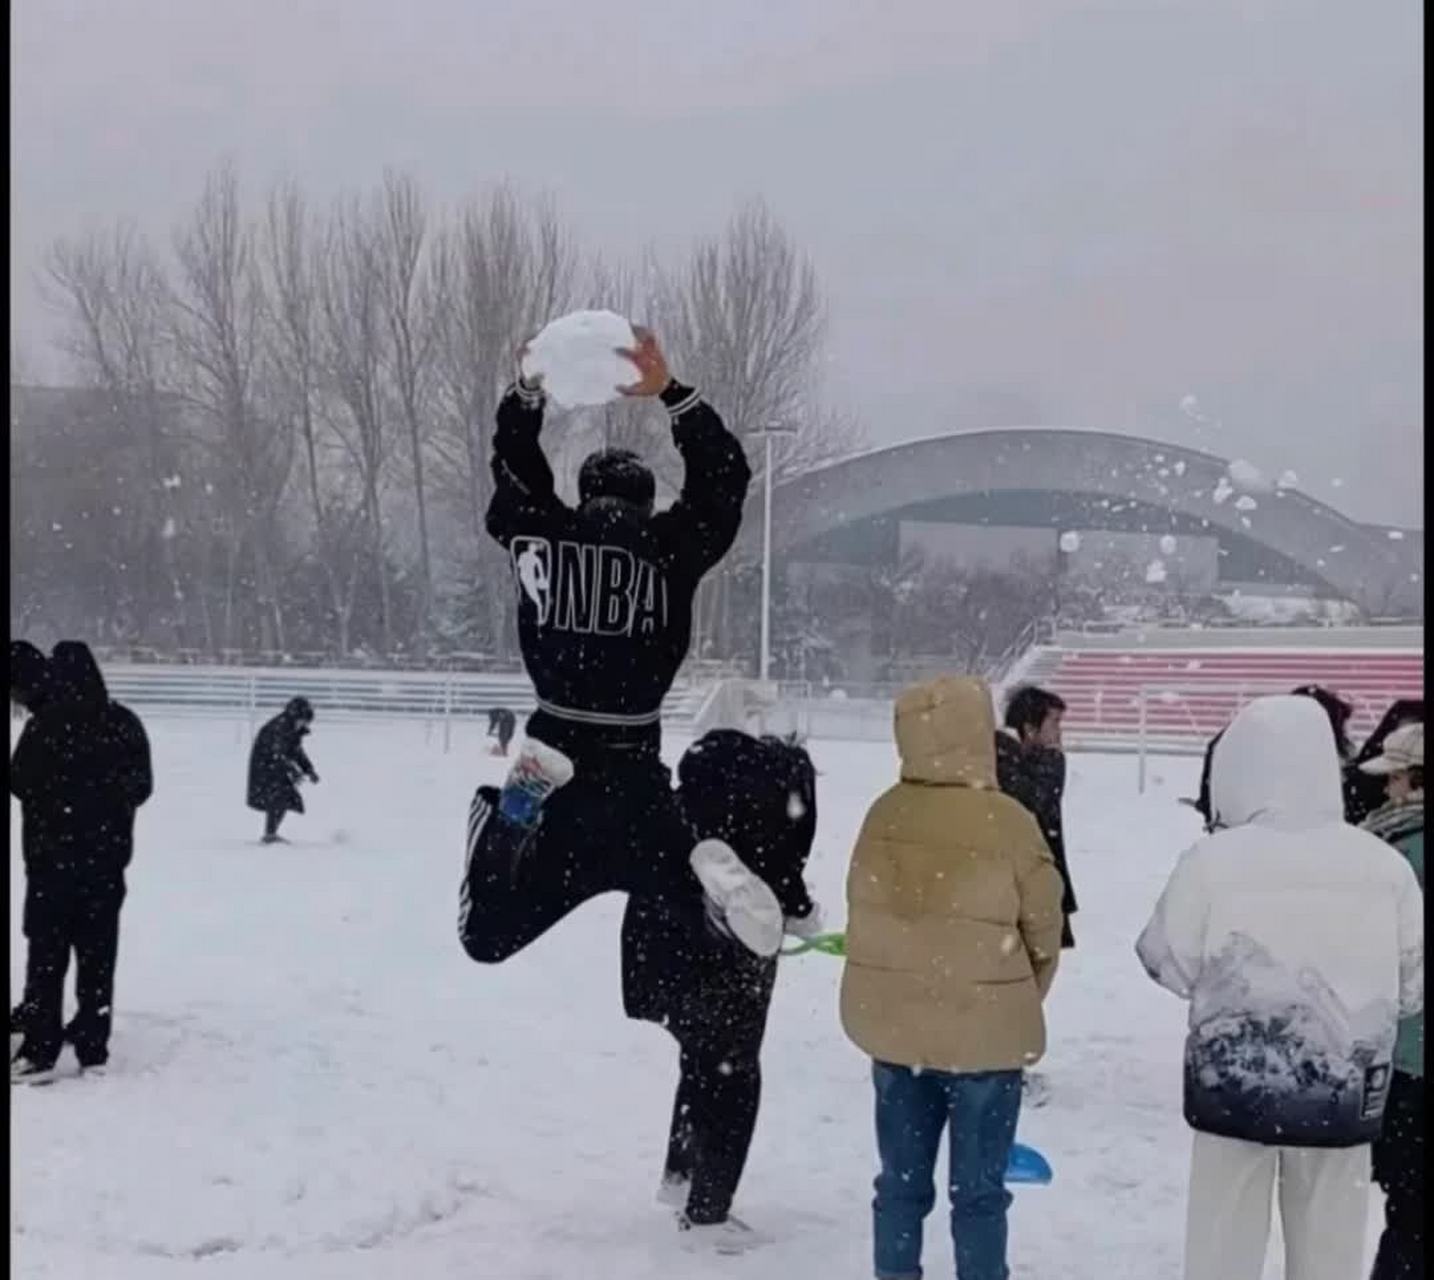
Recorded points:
1399,1151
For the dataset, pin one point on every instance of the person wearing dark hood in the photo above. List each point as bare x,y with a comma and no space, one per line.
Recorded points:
80,771
28,677
757,795
604,610
502,724
277,761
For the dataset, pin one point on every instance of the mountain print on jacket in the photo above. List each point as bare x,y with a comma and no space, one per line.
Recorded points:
1297,939
1275,1056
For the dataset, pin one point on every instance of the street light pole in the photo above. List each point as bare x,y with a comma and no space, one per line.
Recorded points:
767,432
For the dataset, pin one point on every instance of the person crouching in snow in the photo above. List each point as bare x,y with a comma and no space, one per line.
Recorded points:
953,937
1399,1151
276,763
1298,940
708,990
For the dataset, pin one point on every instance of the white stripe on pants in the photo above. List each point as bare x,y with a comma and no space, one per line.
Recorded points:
1324,1209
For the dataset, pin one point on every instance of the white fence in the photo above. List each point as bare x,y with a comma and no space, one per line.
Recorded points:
255,693
1205,707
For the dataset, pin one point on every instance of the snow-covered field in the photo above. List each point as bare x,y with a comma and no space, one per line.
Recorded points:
311,1081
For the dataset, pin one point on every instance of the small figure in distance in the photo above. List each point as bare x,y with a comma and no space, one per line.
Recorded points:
502,724
277,762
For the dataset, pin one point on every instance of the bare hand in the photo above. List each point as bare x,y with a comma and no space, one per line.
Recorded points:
653,376
527,379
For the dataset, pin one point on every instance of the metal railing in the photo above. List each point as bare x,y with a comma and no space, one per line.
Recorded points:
1202,722
255,692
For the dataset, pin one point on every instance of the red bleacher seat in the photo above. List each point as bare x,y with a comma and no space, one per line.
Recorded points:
1102,688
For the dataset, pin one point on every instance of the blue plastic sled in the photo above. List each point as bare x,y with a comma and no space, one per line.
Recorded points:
1026,1164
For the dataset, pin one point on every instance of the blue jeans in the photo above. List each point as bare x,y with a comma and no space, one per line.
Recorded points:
912,1110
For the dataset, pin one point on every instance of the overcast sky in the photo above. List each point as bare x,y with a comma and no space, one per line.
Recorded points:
1021,210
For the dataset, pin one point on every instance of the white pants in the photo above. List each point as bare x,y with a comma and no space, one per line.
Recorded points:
1324,1208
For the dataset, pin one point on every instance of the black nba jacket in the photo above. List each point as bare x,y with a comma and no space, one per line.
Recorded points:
604,592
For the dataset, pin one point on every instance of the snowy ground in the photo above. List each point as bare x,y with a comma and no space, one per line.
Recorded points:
311,1081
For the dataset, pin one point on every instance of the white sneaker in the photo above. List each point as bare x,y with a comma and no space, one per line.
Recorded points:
730,1237
98,1072
808,926
23,1071
673,1190
538,771
744,902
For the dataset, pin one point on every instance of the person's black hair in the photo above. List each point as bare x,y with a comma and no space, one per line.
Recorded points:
1401,711
299,709
617,474
29,673
1337,709
1029,706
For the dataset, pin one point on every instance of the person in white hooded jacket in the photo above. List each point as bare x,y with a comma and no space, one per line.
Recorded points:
1299,942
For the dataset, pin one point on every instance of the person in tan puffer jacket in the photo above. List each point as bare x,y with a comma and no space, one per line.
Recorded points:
953,936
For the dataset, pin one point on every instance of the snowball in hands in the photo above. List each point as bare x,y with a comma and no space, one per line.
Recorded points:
577,358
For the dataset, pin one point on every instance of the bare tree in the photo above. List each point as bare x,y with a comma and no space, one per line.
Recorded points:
498,274
113,294
744,320
219,308
355,347
289,252
408,293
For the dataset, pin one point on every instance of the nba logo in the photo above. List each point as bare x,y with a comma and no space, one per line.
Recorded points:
533,569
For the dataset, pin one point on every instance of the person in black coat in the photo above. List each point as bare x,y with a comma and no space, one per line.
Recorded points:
502,724
684,973
1031,768
276,763
28,677
80,771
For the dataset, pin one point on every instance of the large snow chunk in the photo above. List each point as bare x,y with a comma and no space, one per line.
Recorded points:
577,358
1248,477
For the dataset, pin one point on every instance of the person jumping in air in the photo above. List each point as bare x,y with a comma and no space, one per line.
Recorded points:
604,621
